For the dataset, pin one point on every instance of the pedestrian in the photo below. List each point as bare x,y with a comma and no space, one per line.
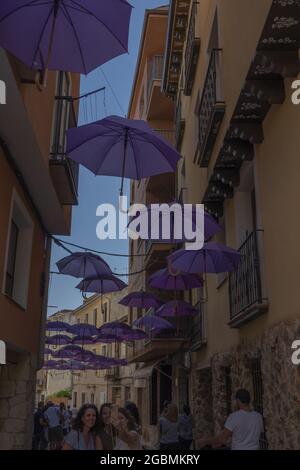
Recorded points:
66,420
84,433
168,423
243,427
166,403
127,437
106,430
185,428
39,441
52,416
133,410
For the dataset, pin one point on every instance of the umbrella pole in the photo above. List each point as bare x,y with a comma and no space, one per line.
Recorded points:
41,85
205,299
123,168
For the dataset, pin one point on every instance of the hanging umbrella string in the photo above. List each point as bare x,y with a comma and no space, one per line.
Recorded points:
124,159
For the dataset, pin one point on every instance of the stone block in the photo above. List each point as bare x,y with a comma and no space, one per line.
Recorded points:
19,411
4,408
17,400
14,425
21,387
6,441
7,388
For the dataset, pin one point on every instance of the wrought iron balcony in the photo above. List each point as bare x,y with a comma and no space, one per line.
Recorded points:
160,344
64,171
191,53
180,126
247,300
210,110
155,71
198,328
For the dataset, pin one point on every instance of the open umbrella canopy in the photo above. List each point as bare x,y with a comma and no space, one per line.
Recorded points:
58,340
101,284
176,308
81,340
57,326
67,352
105,338
83,329
162,279
117,146
212,258
70,35
51,364
83,264
48,351
141,299
153,322
161,220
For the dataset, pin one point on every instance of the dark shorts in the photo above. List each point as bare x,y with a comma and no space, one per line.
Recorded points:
56,434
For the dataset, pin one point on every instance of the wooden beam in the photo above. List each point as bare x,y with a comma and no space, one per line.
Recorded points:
272,91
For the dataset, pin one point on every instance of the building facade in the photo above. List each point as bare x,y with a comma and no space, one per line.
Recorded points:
229,68
37,191
99,386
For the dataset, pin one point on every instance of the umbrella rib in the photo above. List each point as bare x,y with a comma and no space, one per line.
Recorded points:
134,155
107,152
88,12
29,4
90,139
69,19
41,36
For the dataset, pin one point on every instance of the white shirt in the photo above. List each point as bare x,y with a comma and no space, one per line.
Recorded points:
53,416
246,428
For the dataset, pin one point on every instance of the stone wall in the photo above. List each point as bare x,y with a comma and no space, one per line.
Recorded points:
202,402
280,379
17,392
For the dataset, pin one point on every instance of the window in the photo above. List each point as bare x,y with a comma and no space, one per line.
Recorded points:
11,262
92,398
104,350
82,399
86,318
95,317
78,320
104,312
75,399
18,253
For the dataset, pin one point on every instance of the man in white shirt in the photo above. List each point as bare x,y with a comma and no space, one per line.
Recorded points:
244,427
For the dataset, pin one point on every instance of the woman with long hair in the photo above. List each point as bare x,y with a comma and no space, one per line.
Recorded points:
127,437
83,436
106,430
168,422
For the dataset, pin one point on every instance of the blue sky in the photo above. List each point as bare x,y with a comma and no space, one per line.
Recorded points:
96,190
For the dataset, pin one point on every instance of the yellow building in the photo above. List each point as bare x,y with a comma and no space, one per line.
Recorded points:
37,190
99,386
229,67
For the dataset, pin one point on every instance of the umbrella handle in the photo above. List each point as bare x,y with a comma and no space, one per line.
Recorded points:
171,272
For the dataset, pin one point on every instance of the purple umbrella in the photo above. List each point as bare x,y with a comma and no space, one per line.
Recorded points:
58,340
67,352
141,300
162,279
121,332
83,264
70,35
116,146
176,308
47,351
101,284
104,338
119,362
83,340
212,258
153,322
53,364
83,329
159,215
57,326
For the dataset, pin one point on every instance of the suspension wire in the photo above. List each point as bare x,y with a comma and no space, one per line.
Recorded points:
113,92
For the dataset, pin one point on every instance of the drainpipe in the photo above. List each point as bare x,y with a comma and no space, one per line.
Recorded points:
44,292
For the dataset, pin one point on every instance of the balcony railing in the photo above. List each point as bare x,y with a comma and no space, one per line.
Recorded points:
245,285
180,126
210,110
183,330
198,337
168,135
155,71
60,164
191,53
